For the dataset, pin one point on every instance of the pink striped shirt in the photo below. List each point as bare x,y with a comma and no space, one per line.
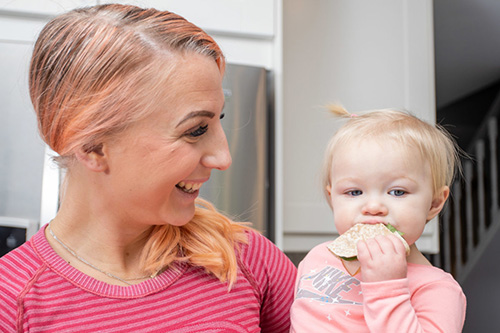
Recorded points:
40,292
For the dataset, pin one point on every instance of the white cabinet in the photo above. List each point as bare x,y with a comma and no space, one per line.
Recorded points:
39,7
244,29
243,17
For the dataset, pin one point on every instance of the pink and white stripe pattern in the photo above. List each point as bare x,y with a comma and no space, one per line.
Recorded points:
40,292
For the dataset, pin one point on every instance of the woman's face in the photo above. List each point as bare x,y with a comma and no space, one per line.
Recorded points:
156,167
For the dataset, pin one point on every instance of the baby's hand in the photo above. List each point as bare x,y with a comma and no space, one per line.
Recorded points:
382,258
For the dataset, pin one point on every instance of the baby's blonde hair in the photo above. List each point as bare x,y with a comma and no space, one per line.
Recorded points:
434,143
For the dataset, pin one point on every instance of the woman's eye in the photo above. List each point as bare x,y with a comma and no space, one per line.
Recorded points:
199,131
355,193
397,193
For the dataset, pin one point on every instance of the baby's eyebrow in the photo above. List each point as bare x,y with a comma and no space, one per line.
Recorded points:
194,114
346,179
406,178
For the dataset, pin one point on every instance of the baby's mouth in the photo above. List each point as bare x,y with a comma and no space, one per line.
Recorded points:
189,187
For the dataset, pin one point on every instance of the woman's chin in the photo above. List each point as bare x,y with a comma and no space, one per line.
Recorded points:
180,217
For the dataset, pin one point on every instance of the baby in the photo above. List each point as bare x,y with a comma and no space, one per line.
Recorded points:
386,167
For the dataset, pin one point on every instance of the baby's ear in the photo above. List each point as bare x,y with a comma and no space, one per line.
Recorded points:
94,159
328,190
438,202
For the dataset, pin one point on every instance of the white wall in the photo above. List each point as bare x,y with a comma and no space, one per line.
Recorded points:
48,7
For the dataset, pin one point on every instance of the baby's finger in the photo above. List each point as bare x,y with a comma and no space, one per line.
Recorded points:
398,244
374,247
386,244
363,251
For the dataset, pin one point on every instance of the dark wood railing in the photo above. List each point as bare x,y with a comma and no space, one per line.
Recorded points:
471,218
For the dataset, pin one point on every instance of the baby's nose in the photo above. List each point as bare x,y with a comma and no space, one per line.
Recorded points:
375,207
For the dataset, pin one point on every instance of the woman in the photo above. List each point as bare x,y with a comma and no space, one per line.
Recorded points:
131,100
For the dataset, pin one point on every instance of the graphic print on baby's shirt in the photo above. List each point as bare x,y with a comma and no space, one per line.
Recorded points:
330,285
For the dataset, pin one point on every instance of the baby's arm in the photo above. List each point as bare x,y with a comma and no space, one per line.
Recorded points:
387,303
435,307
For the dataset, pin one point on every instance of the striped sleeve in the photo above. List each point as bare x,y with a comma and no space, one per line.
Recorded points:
8,295
274,275
17,269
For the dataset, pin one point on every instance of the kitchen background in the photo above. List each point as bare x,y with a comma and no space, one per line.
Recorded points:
440,59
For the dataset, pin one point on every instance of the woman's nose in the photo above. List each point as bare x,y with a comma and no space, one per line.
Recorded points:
217,155
374,207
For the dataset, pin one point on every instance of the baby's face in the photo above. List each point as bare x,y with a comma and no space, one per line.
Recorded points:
379,182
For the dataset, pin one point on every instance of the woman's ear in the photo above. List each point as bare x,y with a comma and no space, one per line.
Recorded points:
438,202
94,158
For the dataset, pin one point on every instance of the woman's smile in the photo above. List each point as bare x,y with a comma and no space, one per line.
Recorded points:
189,187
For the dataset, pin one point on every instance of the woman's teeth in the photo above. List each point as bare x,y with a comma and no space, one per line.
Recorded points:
189,187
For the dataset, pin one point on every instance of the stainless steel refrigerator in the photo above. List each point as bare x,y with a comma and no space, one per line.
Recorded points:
245,190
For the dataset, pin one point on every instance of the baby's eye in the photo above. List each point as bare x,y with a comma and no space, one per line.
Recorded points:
199,131
397,193
354,193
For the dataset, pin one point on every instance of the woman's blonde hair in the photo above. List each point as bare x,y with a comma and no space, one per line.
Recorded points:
97,70
208,241
434,143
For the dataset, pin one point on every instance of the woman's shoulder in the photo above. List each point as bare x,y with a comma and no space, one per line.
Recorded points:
255,237
25,260
19,257
261,254
18,267
257,243
270,272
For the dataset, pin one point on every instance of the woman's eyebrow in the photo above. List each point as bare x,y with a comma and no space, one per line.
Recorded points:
194,114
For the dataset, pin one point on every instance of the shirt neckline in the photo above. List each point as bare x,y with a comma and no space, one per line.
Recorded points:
59,266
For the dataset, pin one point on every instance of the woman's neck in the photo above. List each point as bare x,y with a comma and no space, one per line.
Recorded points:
97,235
103,255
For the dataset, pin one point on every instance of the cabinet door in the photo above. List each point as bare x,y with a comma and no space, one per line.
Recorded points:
47,7
247,17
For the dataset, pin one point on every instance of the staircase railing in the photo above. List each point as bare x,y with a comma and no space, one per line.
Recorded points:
472,216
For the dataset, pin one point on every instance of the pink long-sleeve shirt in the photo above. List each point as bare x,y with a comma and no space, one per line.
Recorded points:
40,292
329,299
